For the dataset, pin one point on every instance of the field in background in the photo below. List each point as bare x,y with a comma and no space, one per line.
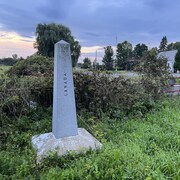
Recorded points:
3,69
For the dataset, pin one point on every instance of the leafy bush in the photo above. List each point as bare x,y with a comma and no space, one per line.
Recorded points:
18,94
95,91
29,81
98,92
14,97
32,66
154,74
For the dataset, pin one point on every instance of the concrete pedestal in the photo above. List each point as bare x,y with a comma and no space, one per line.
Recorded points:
47,142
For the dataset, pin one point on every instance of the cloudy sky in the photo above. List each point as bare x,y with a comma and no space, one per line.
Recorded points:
94,23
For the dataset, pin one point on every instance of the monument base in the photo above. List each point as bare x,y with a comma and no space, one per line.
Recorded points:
47,142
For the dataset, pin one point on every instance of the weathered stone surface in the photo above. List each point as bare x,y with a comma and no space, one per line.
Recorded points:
64,110
46,143
65,135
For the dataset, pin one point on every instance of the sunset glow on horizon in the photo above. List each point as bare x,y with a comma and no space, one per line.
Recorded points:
95,24
12,43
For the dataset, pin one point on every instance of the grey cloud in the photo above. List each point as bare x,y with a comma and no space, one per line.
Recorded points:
17,17
92,34
25,40
26,36
135,21
56,9
162,4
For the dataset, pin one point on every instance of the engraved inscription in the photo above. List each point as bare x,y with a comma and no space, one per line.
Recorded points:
65,80
64,50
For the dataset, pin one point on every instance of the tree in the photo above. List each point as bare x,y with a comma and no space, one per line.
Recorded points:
15,56
163,44
140,50
75,52
49,34
154,74
177,45
123,53
86,63
173,46
108,58
8,61
170,46
177,61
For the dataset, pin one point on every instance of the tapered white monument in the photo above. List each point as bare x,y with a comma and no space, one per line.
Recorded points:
65,135
64,109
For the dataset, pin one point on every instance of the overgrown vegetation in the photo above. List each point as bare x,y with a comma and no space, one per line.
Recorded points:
155,74
133,148
140,142
3,69
177,61
32,66
32,80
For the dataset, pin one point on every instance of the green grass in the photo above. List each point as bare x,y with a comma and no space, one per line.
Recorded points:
133,148
3,69
177,80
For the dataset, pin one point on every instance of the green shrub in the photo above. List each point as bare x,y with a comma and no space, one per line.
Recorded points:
16,94
30,80
32,66
154,74
98,92
14,97
95,92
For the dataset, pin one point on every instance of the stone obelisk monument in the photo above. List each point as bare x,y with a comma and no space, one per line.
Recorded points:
64,109
65,135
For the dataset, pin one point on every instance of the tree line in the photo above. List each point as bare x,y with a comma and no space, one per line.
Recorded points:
10,61
124,59
125,55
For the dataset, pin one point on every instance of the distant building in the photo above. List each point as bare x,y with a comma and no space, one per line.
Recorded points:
170,56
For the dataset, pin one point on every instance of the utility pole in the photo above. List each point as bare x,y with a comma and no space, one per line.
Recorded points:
95,61
115,53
